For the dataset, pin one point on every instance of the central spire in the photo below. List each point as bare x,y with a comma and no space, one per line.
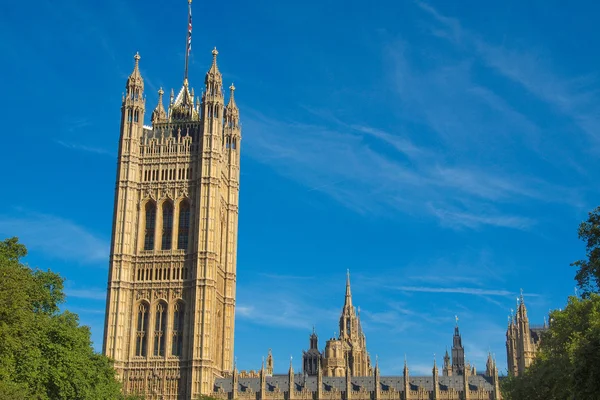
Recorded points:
348,301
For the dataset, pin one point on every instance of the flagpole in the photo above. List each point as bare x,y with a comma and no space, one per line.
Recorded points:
188,44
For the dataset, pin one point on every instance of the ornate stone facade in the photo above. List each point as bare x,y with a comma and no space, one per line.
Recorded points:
330,374
522,340
171,286
346,353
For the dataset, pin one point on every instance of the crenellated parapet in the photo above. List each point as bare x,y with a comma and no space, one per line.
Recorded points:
361,388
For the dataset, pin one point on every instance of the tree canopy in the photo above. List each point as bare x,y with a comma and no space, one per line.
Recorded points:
45,353
588,273
567,365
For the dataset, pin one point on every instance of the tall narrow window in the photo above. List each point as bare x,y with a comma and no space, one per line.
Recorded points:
150,225
184,225
177,346
167,232
160,329
142,330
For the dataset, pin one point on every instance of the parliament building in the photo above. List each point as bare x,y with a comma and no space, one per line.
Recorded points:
170,307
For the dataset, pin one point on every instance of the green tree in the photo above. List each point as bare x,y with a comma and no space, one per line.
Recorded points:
567,366
45,353
588,273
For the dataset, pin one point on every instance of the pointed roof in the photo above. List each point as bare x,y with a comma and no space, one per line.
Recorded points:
214,69
183,104
213,74
159,113
135,78
184,97
231,105
521,309
348,300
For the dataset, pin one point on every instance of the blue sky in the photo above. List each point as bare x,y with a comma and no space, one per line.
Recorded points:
444,152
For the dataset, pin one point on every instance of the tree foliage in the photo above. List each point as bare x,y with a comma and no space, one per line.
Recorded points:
45,353
567,365
588,273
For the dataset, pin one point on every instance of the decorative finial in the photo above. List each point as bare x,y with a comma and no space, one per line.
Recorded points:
137,57
232,88
160,93
215,52
189,1
456,318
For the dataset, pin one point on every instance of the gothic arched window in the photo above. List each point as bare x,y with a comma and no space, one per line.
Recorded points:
177,344
160,329
141,338
150,226
184,225
167,231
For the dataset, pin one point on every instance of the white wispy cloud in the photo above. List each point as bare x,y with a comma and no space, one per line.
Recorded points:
89,293
471,220
55,236
339,160
576,97
279,310
89,149
457,290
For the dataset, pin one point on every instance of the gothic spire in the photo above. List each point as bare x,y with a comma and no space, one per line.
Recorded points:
231,105
214,69
159,114
489,365
522,310
135,78
348,301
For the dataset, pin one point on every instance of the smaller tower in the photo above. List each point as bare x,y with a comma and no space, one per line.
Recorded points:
234,383
436,380
269,370
489,366
406,379
348,381
159,114
312,356
458,352
511,346
319,381
376,380
263,379
467,391
496,381
447,368
292,384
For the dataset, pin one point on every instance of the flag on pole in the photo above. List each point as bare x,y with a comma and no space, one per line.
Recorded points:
189,46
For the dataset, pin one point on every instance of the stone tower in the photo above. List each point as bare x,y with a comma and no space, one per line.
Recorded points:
349,351
171,285
312,357
458,353
522,340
